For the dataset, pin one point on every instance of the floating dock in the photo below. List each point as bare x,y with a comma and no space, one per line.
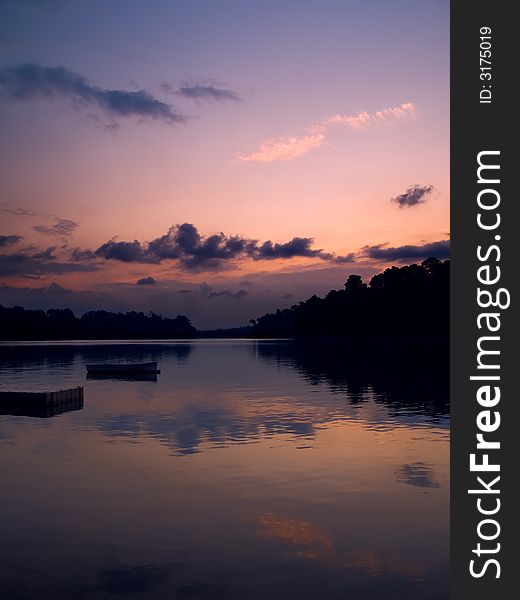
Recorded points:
41,404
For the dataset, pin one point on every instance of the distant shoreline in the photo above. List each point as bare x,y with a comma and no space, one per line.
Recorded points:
409,302
353,340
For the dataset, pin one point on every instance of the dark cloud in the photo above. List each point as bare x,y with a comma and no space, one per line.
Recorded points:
298,247
183,291
295,247
339,260
228,294
207,91
195,252
440,250
124,252
169,245
9,240
81,254
415,194
47,254
37,264
62,228
207,291
21,212
146,281
27,81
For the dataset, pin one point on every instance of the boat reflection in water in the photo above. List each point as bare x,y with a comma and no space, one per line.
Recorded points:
121,376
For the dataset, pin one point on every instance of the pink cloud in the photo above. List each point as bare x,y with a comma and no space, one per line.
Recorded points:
284,148
406,111
290,147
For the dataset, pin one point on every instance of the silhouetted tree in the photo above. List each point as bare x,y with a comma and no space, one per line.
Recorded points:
410,300
18,323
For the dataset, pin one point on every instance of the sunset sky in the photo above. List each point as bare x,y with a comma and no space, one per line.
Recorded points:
218,159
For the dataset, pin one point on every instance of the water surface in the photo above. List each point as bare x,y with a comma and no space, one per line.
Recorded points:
248,470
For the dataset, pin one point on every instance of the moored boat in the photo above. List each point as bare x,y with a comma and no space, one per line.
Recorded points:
143,367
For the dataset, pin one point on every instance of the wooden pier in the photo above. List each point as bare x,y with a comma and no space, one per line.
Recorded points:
41,404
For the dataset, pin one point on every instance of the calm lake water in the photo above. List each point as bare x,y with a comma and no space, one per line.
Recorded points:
249,470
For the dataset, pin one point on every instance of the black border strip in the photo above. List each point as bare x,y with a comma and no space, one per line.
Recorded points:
477,127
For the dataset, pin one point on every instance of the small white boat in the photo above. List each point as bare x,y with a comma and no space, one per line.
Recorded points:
143,367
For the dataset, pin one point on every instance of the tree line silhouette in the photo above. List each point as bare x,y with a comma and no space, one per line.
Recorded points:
410,300
19,323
